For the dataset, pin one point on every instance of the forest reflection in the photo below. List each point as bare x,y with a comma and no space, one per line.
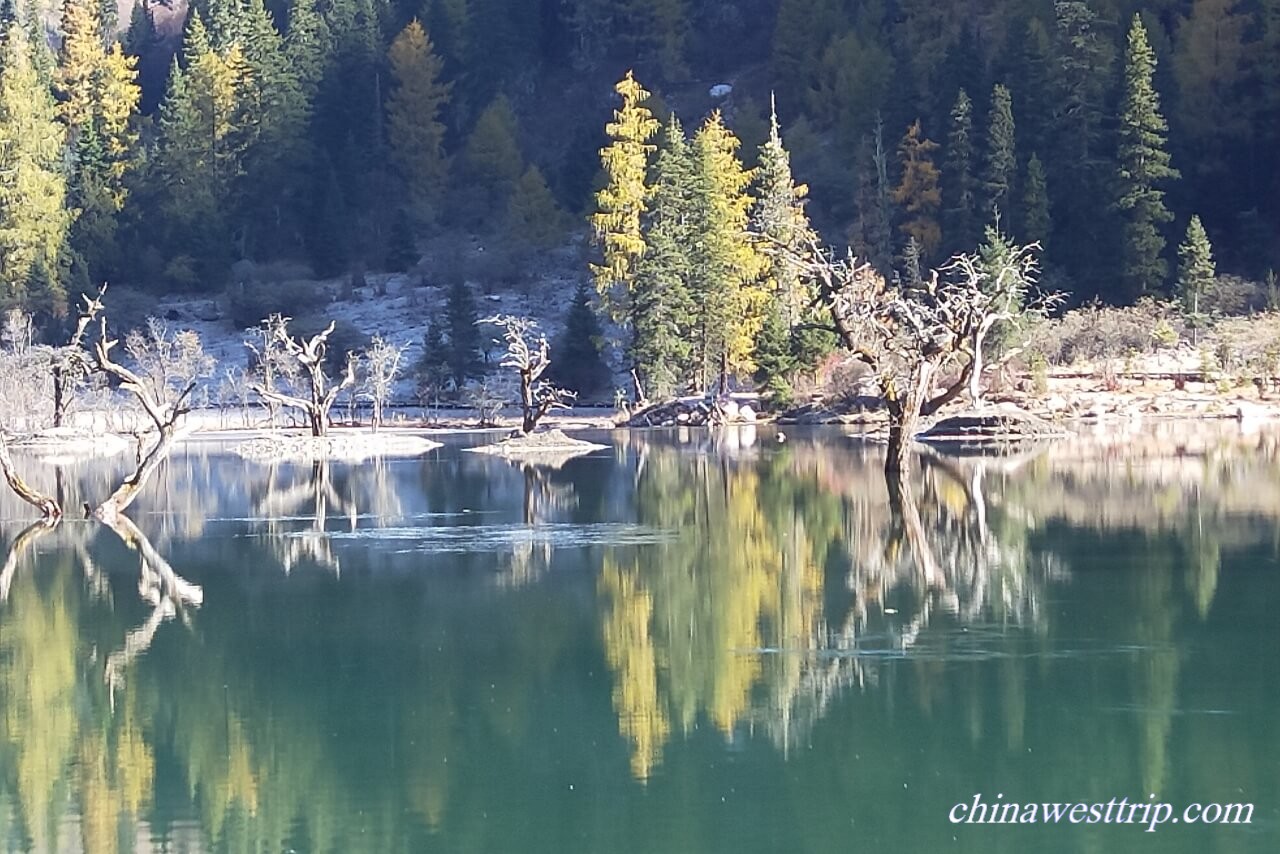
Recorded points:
366,694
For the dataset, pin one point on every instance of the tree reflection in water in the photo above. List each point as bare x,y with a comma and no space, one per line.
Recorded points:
794,601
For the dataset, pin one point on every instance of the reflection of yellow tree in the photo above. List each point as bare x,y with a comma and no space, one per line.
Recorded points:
39,669
685,622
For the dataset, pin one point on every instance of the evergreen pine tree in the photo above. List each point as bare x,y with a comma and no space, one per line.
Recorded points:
576,359
402,248
918,193
622,202
774,359
1002,159
1036,222
533,217
307,45
959,185
326,231
871,236
1143,165
33,216
464,335
780,217
434,369
491,157
414,128
1196,271
662,304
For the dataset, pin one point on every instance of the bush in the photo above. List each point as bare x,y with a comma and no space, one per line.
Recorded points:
250,303
1097,333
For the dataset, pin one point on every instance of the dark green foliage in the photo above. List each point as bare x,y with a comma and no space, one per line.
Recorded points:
327,227
959,199
1036,222
660,348
773,357
1143,166
577,363
1001,159
433,368
402,248
464,334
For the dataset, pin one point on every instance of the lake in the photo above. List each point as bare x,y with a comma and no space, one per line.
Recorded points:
689,642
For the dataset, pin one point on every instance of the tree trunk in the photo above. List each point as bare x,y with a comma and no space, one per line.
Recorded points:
975,376
904,419
59,396
46,505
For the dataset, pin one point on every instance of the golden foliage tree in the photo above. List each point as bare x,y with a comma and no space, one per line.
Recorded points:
919,193
623,200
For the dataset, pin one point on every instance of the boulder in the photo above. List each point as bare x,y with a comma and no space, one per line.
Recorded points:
746,414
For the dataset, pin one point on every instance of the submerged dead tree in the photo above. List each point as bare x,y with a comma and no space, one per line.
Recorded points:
49,507
530,355
922,341
309,354
164,405
70,363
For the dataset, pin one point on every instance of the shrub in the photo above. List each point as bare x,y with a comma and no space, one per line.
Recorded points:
250,303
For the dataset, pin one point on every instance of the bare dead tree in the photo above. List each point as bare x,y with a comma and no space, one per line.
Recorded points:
47,506
909,337
309,355
163,403
383,360
529,353
70,364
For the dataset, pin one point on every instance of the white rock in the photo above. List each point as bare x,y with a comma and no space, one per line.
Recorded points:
721,90
730,410
747,414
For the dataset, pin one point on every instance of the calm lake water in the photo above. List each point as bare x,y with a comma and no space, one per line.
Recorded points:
684,643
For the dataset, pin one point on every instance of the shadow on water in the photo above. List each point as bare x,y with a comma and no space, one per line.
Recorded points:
690,642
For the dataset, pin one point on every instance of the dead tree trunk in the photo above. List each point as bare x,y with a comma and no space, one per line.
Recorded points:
310,355
47,506
69,362
164,416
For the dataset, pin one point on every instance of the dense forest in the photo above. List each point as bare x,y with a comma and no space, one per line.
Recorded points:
165,147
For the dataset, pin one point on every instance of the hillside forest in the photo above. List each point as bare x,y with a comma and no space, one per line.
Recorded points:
170,147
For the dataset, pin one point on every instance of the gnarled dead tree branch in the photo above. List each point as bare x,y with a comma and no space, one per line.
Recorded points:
530,355
309,354
70,363
46,505
910,336
165,414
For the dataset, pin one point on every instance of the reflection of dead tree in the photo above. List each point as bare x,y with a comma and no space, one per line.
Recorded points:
165,415
541,498
21,543
309,354
319,493
168,593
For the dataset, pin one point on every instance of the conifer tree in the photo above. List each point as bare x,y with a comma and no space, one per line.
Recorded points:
1078,169
533,217
774,359
492,159
33,216
622,202
464,335
577,362
779,216
730,302
918,193
1196,271
1036,222
80,64
959,183
1001,160
402,248
662,303
1143,166
414,128
307,45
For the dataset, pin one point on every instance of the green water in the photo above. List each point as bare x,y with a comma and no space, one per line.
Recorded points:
674,645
